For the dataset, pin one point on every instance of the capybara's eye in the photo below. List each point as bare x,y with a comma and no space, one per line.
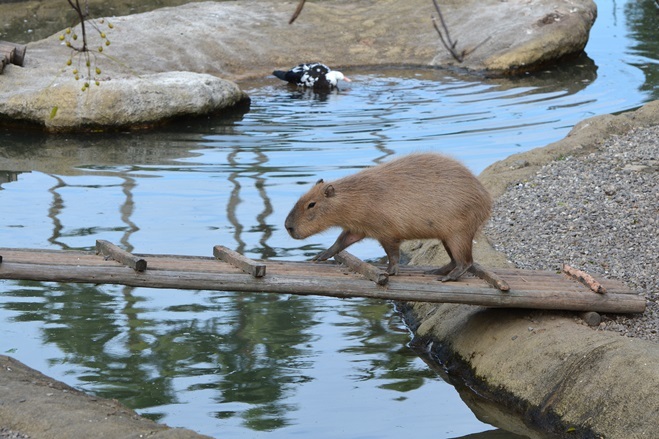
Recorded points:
312,204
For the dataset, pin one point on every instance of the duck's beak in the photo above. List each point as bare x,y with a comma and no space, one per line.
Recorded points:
347,79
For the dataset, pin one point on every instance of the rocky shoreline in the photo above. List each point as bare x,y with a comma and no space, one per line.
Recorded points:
597,212
556,204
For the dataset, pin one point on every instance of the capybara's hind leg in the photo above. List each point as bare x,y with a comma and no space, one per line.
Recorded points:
455,274
444,269
460,252
392,249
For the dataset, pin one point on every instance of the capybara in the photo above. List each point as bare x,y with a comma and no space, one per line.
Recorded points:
418,196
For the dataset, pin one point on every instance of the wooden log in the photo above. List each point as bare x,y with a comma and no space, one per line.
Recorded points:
584,278
355,264
13,53
19,55
7,54
110,250
471,293
489,277
249,266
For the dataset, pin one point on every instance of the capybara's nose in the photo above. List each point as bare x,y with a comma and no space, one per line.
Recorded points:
291,230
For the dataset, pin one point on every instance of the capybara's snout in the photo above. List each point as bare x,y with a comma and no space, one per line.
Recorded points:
290,228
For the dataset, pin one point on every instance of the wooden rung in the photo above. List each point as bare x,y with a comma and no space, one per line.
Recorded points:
239,261
358,266
106,248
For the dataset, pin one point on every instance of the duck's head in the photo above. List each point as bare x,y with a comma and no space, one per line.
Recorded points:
334,77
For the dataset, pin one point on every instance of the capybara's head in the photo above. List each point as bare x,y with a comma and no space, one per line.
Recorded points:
313,211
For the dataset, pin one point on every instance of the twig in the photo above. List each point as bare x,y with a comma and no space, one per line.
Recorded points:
584,278
297,12
83,16
446,40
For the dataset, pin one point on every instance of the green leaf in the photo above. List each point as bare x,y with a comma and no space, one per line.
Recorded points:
53,112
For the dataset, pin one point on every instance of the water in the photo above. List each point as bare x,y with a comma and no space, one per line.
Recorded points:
240,365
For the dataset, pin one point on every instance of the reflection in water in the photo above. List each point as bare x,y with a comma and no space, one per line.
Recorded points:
258,170
57,206
7,177
53,213
642,23
245,355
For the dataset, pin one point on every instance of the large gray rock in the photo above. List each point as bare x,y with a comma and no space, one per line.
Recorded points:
132,102
236,40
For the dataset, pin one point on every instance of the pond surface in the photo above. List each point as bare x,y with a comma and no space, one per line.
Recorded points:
245,366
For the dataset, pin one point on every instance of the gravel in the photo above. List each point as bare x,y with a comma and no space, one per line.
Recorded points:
598,213
6,433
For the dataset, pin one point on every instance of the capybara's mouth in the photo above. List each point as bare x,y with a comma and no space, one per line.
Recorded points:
293,233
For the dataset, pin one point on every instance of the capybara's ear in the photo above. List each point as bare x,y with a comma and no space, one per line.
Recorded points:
320,181
329,191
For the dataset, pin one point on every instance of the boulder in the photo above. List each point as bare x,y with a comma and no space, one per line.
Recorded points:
128,103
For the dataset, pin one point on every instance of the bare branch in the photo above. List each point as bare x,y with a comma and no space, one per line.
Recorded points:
445,37
297,12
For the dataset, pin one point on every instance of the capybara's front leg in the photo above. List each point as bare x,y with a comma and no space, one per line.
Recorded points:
392,249
345,240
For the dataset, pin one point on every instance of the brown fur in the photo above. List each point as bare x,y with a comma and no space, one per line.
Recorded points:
419,196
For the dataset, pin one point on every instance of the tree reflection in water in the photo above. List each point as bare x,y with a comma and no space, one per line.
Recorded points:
248,353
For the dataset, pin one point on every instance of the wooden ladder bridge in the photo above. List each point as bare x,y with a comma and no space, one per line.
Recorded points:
346,277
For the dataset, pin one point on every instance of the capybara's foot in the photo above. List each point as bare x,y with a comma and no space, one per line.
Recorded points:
392,269
443,270
455,274
324,255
